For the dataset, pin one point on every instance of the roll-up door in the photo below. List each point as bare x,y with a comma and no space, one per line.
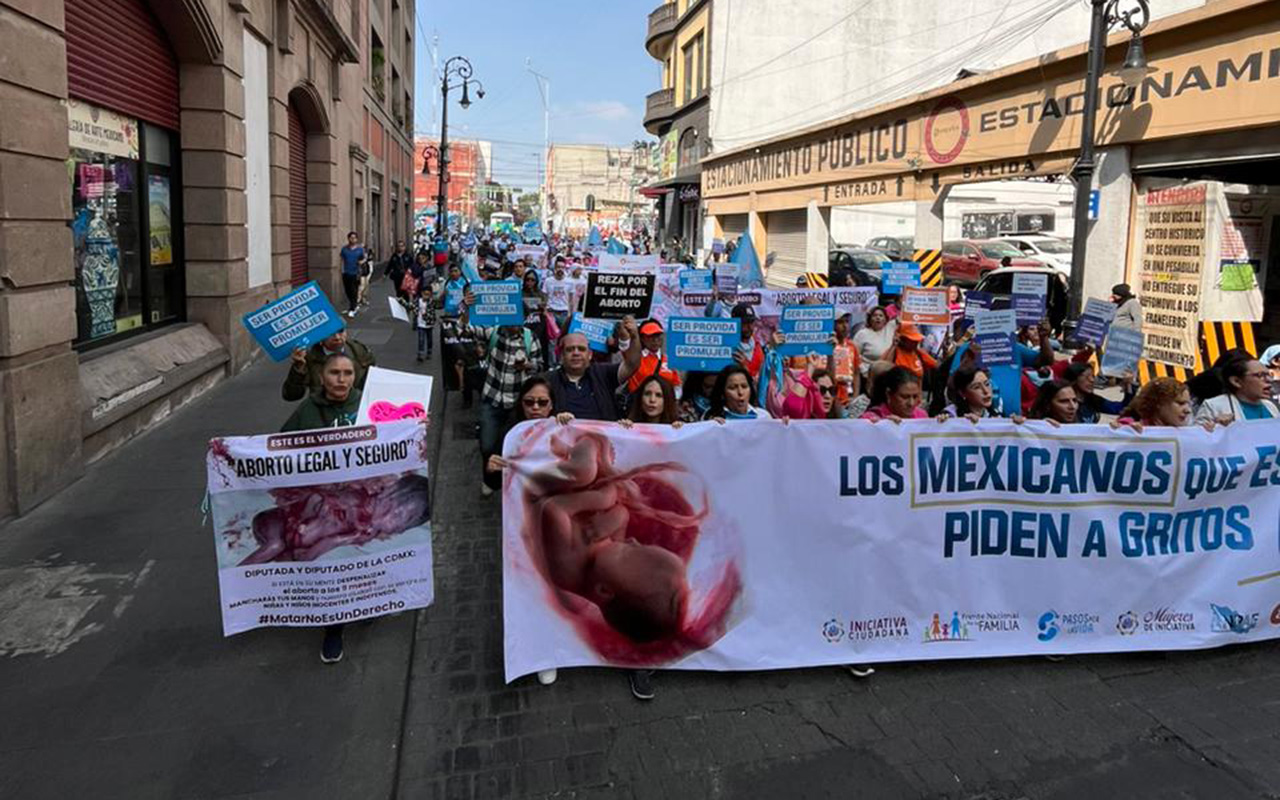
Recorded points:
733,225
119,58
787,237
297,198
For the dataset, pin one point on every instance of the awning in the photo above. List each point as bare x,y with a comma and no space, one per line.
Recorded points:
654,192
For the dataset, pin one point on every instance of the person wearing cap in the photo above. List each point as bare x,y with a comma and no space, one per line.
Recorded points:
905,351
653,360
1129,309
748,353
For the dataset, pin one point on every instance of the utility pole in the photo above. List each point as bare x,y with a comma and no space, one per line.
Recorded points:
544,90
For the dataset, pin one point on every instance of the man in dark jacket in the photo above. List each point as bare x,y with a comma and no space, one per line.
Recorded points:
397,266
306,373
587,390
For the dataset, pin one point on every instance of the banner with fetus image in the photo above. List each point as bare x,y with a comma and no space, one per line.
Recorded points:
861,543
321,527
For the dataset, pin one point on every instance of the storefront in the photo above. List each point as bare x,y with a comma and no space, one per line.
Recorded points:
1199,129
123,172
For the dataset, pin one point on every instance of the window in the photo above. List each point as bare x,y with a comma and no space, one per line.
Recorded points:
699,85
124,224
688,148
689,55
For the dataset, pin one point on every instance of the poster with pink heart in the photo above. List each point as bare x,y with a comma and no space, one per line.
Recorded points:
390,395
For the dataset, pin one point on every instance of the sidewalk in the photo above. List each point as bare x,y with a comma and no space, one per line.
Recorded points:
115,679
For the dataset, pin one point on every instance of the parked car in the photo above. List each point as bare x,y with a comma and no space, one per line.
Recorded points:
965,261
1050,249
864,265
1000,282
898,248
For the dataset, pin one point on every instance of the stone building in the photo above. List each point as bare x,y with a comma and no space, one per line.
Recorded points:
165,167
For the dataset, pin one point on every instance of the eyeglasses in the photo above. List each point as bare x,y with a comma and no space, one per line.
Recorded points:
826,389
536,402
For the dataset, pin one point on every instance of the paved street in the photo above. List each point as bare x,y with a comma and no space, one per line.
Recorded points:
115,680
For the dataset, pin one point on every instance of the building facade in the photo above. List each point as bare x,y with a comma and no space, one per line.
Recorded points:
468,170
386,175
598,185
155,185
679,37
1188,172
785,68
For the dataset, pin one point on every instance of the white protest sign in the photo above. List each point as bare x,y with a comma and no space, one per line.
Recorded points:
397,310
919,541
391,395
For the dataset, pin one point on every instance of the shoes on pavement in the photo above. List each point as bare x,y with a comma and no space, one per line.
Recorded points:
331,647
642,684
546,677
485,491
860,670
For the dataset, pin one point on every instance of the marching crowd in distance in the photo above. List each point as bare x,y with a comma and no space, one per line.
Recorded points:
885,370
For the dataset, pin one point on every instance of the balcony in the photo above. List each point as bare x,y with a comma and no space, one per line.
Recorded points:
658,108
662,26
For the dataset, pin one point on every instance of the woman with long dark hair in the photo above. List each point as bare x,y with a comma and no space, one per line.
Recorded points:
896,396
1056,403
734,396
1244,388
972,394
653,403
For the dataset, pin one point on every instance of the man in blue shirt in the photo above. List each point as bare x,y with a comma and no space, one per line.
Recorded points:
352,257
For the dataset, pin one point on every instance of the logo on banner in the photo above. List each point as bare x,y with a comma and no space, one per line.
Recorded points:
863,630
1227,620
831,631
1051,623
942,630
1166,620
946,131
1127,623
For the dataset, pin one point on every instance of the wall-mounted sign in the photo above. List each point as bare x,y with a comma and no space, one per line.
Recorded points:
102,131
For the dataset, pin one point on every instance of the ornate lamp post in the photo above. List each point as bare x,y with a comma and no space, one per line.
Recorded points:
459,70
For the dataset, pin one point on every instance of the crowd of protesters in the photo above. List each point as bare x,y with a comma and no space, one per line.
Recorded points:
880,368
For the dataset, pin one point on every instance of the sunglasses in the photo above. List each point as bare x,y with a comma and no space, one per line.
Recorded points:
826,389
536,402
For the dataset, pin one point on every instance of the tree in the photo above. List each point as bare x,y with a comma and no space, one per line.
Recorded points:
483,210
527,208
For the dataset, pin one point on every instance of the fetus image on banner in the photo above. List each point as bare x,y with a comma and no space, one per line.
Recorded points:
309,521
614,547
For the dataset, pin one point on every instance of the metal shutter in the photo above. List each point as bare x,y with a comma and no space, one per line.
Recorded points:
119,58
297,198
787,238
733,225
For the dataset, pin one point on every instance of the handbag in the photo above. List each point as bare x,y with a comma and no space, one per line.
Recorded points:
409,284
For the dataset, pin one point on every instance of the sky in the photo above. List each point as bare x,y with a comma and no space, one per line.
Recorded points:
593,53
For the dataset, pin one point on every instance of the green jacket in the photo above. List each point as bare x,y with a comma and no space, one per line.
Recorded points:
298,385
317,411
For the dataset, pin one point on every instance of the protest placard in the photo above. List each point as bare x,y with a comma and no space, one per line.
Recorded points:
391,395
727,278
894,275
597,331
994,333
397,310
1030,296
701,343
614,295
696,280
990,540
533,254
496,303
301,318
321,527
808,329
1095,321
1123,351
925,306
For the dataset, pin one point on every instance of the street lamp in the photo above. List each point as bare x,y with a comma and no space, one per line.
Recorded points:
1106,14
456,67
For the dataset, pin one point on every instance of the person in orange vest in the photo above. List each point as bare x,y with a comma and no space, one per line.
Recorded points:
653,360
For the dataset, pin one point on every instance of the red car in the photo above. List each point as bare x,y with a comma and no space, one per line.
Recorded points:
967,260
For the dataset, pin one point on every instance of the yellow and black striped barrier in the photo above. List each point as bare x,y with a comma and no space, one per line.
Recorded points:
815,280
930,262
1215,339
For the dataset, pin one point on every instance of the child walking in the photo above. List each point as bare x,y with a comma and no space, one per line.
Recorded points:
425,320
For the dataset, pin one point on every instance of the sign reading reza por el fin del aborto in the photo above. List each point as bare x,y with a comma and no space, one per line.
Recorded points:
299,319
616,295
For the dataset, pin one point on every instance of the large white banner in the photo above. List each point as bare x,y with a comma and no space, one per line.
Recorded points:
760,545
321,527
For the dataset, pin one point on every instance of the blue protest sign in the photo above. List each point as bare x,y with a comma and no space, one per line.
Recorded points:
597,331
994,334
727,278
1030,291
1095,321
896,274
695,280
299,319
808,329
717,246
496,303
701,343
1124,349
975,302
